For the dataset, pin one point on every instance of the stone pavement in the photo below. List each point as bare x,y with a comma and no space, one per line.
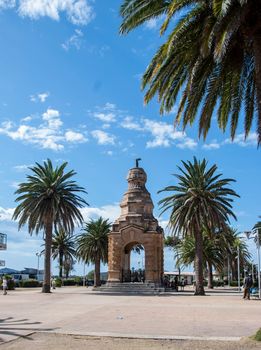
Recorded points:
78,310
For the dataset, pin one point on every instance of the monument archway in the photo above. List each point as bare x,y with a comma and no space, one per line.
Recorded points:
136,225
133,264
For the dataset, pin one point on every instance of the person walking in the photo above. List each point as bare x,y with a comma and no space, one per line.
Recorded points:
53,283
248,282
4,285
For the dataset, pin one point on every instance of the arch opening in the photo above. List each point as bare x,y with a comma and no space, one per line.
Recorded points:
134,263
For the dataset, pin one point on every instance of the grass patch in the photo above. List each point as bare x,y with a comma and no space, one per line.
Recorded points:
257,336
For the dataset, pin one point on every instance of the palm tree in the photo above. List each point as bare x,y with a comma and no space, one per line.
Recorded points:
68,265
232,243
200,200
63,248
212,254
212,57
257,227
238,246
49,199
92,245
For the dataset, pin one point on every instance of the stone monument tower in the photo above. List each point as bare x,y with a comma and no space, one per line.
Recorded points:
136,226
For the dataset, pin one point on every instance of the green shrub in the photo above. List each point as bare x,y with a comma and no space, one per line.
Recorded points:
235,283
218,284
78,281
58,282
10,284
90,275
29,283
69,282
257,336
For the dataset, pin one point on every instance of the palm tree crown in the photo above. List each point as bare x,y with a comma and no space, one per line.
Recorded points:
49,198
92,244
200,201
212,56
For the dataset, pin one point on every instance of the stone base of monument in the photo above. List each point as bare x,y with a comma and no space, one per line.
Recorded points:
135,288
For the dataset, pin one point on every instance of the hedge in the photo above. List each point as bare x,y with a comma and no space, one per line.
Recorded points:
31,283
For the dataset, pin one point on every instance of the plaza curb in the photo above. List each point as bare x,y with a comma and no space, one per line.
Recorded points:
148,336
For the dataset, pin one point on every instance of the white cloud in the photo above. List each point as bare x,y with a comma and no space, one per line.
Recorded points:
109,106
213,145
78,12
164,135
161,134
5,4
21,168
187,142
105,117
48,135
240,140
152,23
6,214
75,41
103,138
111,212
27,119
41,97
130,124
50,114
106,114
72,136
106,126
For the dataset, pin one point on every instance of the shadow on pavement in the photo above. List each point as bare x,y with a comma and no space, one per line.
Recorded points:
10,326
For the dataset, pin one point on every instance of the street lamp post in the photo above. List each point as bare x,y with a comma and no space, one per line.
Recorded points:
257,241
258,262
252,271
84,278
228,272
38,254
238,268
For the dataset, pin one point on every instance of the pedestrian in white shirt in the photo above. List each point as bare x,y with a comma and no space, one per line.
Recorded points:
4,284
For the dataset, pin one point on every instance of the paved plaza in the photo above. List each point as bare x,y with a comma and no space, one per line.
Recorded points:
79,311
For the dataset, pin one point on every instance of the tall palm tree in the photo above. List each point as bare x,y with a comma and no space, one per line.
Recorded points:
92,245
201,199
212,57
212,254
232,243
68,265
63,248
49,199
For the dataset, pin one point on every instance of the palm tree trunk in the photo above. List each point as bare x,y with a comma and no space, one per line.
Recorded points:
61,265
97,268
210,275
47,258
257,55
199,263
233,269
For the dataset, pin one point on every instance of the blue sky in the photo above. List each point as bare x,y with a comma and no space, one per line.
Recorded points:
70,91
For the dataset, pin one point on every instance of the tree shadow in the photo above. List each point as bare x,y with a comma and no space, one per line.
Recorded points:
16,327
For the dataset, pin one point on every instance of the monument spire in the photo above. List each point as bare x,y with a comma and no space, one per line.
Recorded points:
137,162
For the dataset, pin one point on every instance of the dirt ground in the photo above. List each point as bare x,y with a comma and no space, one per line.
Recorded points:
44,341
